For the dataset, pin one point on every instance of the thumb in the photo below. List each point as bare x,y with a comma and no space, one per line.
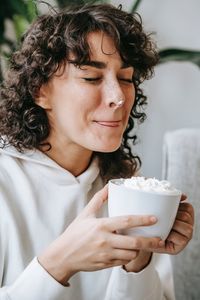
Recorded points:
96,202
183,197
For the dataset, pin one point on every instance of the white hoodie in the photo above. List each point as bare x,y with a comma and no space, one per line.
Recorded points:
38,200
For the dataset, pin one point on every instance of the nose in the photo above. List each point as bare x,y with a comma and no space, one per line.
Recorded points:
117,104
114,96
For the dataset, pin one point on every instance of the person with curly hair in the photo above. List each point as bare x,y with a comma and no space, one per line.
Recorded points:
68,108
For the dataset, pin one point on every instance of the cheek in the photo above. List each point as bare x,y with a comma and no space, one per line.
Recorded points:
76,116
130,102
129,93
128,107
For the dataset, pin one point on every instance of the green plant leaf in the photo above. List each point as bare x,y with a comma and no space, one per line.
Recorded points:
18,7
64,3
135,6
20,25
175,54
32,11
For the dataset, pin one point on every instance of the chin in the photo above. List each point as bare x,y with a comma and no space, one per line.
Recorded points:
107,148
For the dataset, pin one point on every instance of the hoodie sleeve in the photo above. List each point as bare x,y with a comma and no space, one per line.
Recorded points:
146,285
33,283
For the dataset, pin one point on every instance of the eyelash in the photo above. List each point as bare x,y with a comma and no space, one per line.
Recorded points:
127,80
92,78
95,79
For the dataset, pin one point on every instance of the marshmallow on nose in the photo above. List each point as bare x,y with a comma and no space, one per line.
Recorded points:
119,103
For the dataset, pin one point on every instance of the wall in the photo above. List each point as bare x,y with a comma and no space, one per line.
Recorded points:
174,92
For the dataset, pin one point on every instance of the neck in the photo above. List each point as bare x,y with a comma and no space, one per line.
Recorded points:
70,157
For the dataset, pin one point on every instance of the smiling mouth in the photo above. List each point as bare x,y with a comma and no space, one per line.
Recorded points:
109,123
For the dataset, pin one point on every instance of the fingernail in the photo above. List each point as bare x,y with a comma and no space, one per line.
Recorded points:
153,219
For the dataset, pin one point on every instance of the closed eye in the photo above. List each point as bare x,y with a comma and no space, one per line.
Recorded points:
126,80
92,79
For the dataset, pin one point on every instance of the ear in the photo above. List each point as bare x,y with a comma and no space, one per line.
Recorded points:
42,98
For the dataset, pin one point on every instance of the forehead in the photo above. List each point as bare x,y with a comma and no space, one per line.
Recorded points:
101,44
102,54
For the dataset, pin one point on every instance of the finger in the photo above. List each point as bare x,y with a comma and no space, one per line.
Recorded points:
185,217
127,255
117,262
112,263
130,242
134,242
187,207
183,228
177,238
126,222
96,202
183,197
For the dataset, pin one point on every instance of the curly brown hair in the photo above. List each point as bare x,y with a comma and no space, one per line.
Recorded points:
45,47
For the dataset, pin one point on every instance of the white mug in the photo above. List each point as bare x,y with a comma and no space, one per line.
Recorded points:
123,200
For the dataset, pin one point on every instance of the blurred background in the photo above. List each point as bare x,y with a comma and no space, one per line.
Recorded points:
173,93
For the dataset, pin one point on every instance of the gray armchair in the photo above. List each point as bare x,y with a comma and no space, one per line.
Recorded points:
181,166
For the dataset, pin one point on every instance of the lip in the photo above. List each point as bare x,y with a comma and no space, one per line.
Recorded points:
109,123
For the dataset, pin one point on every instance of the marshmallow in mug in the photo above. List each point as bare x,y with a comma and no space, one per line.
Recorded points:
150,184
140,196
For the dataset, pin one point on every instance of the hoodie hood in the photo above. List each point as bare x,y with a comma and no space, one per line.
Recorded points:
37,159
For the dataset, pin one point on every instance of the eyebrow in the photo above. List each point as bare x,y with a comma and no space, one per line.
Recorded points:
102,65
